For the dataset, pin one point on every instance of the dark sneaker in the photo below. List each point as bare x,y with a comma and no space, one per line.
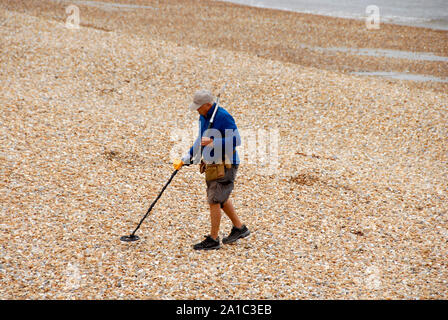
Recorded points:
236,234
207,244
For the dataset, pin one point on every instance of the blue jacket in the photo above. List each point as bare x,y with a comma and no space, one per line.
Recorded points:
226,140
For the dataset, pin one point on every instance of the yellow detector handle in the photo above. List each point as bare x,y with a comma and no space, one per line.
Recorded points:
177,164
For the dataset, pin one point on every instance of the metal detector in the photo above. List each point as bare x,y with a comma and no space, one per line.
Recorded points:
132,237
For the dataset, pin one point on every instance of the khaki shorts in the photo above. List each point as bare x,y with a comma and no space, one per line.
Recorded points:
218,191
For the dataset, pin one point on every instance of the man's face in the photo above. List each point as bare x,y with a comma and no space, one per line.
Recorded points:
204,109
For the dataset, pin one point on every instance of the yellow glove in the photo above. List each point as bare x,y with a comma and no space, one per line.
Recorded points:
177,164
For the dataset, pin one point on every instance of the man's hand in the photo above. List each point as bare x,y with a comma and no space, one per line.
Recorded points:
177,164
206,142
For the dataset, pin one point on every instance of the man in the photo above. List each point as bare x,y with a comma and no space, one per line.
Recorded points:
218,145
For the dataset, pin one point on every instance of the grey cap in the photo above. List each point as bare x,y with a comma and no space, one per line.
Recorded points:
200,98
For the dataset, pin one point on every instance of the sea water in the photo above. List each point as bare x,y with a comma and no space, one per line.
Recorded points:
421,13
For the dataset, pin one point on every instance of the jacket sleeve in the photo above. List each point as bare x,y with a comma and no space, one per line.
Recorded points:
196,148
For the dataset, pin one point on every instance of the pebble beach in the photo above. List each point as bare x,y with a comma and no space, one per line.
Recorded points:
356,208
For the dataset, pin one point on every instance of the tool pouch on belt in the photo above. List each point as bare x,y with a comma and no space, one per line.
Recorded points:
214,171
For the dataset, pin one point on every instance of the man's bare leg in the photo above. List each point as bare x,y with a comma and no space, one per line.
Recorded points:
215,217
230,212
